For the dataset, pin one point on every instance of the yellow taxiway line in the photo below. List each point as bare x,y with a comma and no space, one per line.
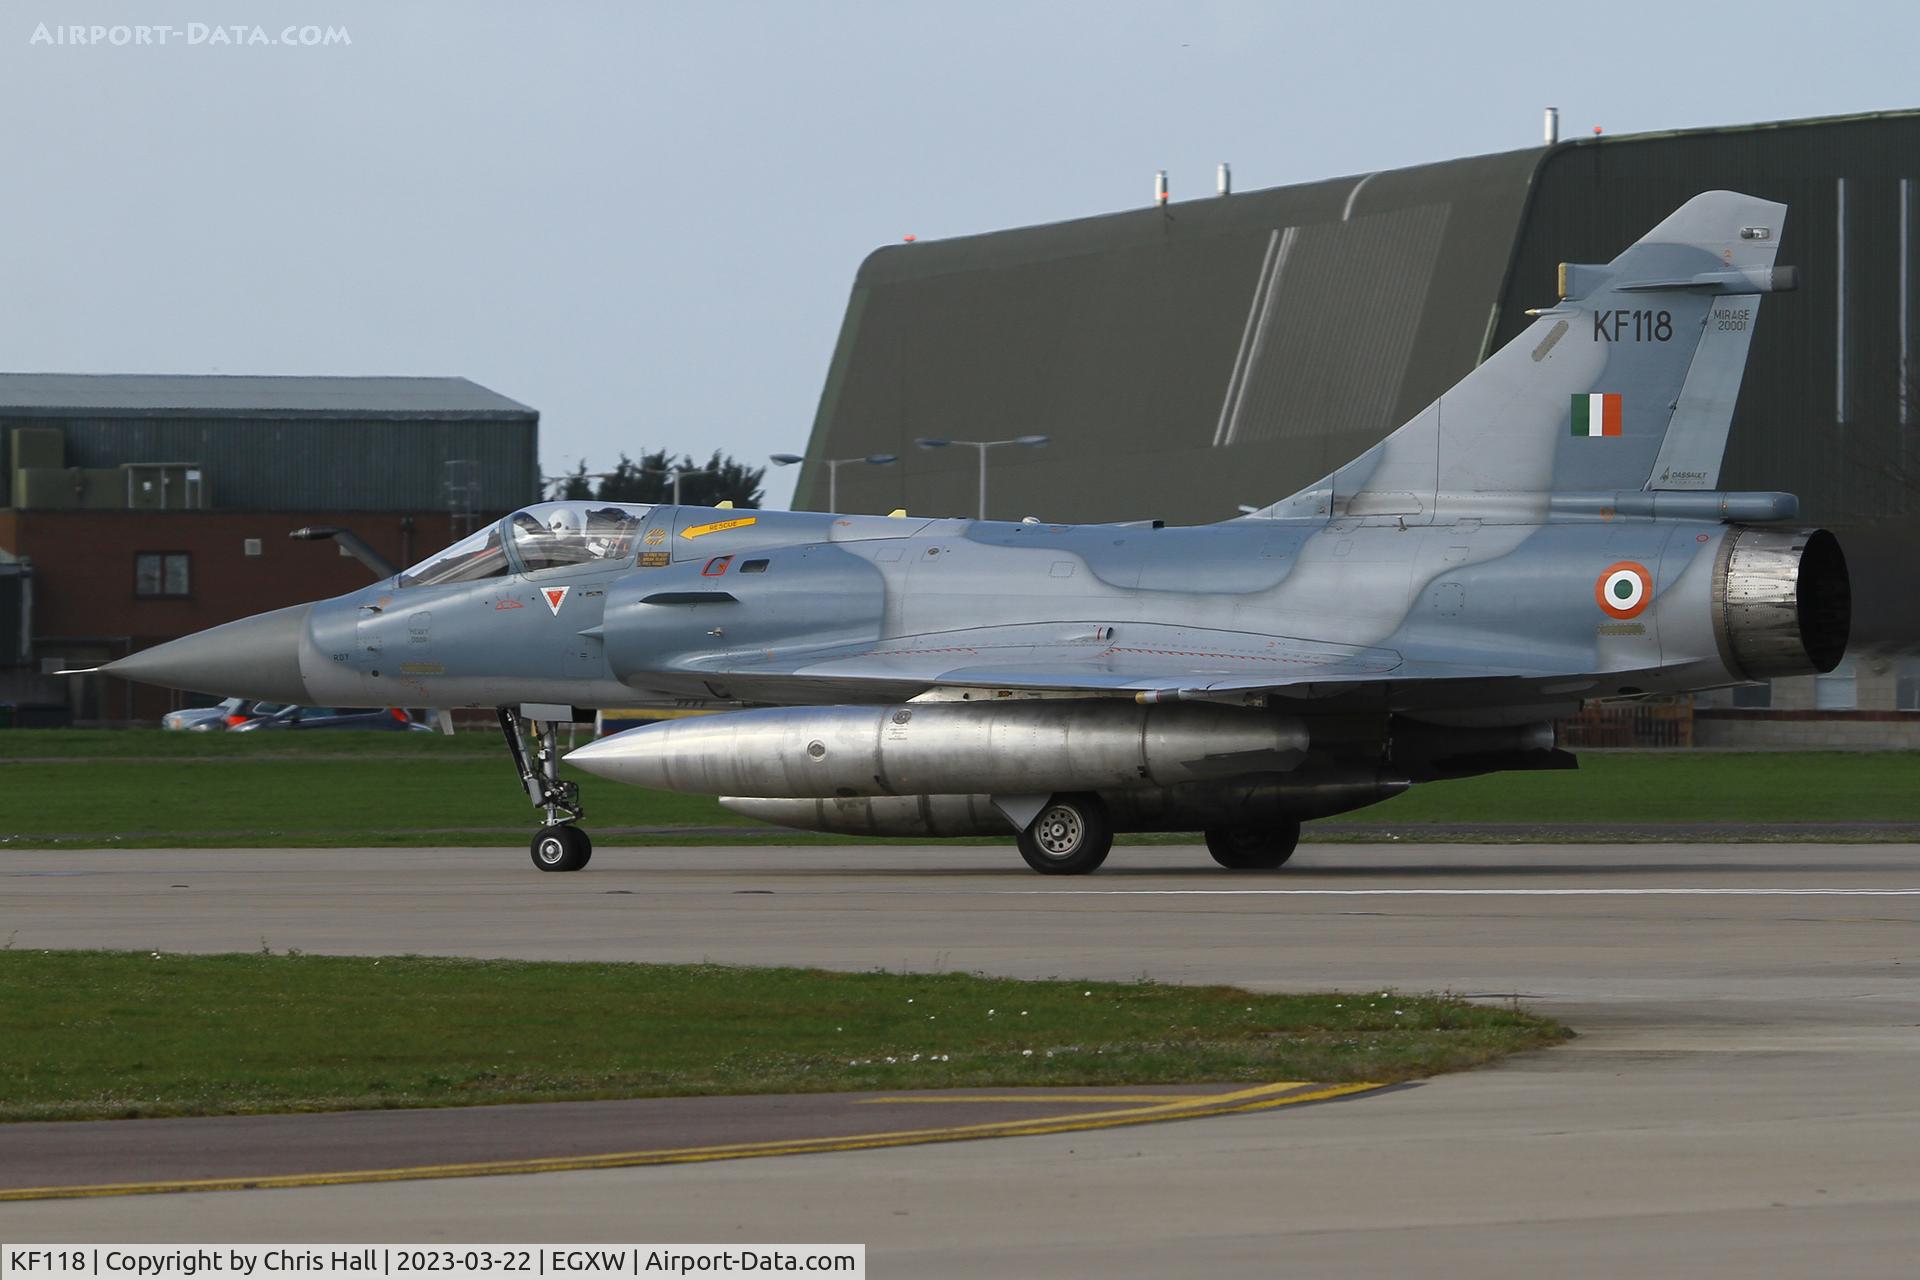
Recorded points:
1185,1106
1062,1097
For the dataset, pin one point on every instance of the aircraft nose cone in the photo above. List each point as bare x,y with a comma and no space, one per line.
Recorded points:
257,657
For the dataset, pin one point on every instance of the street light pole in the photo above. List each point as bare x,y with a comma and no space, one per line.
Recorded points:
678,476
1030,442
833,470
983,478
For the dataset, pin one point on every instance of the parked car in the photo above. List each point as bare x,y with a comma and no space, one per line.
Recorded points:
221,715
378,718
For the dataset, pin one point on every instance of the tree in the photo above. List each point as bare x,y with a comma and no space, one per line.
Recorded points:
575,485
641,481
649,480
731,480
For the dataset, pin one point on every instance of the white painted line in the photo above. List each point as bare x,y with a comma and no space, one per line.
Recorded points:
1469,893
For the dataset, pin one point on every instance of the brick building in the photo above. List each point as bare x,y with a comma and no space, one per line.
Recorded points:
147,507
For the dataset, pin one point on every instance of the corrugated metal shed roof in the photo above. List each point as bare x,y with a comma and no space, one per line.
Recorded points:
143,395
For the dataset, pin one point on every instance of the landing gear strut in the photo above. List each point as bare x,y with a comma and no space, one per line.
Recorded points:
559,845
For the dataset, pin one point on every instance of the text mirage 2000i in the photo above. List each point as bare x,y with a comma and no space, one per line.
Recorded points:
1547,532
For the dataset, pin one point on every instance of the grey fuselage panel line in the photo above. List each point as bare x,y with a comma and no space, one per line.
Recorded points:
1544,533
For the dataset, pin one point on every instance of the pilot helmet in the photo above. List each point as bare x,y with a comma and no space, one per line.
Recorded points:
565,522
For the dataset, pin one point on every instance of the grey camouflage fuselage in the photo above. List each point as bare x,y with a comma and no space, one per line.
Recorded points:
1545,533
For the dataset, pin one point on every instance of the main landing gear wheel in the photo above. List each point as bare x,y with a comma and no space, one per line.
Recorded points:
1253,848
559,845
561,848
1070,837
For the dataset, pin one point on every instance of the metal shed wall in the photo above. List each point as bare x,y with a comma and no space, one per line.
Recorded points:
287,443
296,464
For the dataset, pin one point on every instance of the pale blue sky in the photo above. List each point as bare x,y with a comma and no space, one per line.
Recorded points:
643,219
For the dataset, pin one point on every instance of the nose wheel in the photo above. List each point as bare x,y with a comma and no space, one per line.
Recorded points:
561,848
559,845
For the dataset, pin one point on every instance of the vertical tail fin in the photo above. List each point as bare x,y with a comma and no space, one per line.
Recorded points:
1628,382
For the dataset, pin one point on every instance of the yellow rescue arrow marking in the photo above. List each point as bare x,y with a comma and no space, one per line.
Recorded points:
718,526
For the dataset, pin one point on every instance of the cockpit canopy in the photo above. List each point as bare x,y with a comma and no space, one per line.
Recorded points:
548,535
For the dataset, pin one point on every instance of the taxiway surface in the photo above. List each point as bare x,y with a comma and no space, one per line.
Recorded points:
1741,1099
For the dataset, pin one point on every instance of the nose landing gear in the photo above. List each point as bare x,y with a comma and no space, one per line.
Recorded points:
561,848
559,845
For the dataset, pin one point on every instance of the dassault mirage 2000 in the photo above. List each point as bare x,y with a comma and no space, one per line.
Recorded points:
1547,532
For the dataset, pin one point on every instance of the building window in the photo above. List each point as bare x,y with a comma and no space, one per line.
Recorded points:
1753,697
1906,690
162,575
1836,691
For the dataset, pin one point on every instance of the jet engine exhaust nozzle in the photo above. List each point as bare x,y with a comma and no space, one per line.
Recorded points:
1783,602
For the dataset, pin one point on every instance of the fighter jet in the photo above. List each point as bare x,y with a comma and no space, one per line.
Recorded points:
1547,532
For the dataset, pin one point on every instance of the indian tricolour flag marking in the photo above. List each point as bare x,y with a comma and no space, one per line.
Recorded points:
1597,414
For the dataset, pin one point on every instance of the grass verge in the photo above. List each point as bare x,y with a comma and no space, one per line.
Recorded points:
98,1035
148,788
